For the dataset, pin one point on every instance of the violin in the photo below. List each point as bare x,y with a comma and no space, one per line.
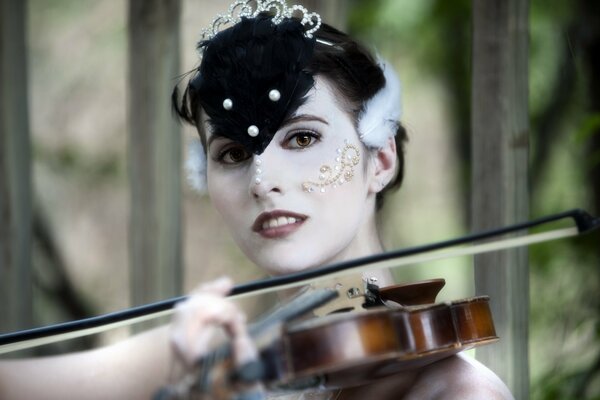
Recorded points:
405,330
350,349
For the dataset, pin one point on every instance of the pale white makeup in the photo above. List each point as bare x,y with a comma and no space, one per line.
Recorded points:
279,225
338,173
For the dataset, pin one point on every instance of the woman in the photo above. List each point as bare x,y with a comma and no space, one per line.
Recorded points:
300,141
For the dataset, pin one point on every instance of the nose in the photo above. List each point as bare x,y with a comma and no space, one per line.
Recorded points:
262,184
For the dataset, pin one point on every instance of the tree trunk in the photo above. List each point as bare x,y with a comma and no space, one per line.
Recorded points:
589,12
589,19
15,173
154,151
500,136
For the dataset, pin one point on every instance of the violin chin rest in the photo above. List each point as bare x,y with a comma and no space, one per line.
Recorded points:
413,293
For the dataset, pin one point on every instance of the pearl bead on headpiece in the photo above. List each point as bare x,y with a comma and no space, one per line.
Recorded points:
253,130
246,9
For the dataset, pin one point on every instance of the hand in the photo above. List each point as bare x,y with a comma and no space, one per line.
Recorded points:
198,319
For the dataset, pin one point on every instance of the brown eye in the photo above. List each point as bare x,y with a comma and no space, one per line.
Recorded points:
302,140
237,155
234,155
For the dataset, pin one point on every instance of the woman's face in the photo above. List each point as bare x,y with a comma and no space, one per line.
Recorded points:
282,207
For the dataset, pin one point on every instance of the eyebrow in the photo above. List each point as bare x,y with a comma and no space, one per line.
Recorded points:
289,121
212,138
303,118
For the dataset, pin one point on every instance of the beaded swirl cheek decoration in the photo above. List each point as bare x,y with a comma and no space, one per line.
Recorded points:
343,171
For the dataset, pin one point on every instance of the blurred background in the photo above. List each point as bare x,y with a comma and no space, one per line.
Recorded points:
77,55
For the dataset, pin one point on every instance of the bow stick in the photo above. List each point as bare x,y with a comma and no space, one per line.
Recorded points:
584,222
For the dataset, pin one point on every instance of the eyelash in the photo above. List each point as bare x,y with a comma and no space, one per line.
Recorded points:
315,137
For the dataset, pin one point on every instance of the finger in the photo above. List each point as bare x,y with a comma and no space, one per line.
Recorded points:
196,321
199,309
244,349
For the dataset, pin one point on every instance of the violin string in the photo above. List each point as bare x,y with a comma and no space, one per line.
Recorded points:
388,263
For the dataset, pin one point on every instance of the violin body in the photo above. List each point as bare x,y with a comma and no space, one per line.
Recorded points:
347,349
343,350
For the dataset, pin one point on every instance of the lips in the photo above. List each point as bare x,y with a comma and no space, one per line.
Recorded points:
277,223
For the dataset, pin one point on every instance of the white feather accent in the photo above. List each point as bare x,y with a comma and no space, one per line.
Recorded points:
381,114
195,166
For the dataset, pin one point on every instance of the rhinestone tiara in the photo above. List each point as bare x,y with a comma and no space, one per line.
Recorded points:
245,9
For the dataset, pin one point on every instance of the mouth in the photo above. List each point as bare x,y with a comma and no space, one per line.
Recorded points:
278,223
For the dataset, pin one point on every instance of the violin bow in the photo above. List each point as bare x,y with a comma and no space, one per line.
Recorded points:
584,223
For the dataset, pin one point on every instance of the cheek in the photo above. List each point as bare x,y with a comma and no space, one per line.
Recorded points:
336,167
337,220
225,191
345,200
337,187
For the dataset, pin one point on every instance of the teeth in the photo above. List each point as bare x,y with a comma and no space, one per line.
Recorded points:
277,222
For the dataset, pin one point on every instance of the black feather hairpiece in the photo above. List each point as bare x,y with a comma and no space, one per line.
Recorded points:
253,77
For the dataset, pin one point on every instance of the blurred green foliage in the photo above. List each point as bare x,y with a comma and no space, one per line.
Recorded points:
565,275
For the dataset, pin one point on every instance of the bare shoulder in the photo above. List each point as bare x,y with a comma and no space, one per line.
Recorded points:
458,377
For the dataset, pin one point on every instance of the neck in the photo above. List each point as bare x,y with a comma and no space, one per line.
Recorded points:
365,243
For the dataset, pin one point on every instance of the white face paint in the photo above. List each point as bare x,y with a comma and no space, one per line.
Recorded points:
280,225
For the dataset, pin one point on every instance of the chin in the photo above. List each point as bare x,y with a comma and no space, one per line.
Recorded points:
284,263
286,267
296,254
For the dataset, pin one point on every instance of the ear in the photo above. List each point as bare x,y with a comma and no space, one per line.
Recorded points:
384,162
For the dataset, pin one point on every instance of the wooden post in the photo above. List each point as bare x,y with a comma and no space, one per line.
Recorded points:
500,135
15,172
154,151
